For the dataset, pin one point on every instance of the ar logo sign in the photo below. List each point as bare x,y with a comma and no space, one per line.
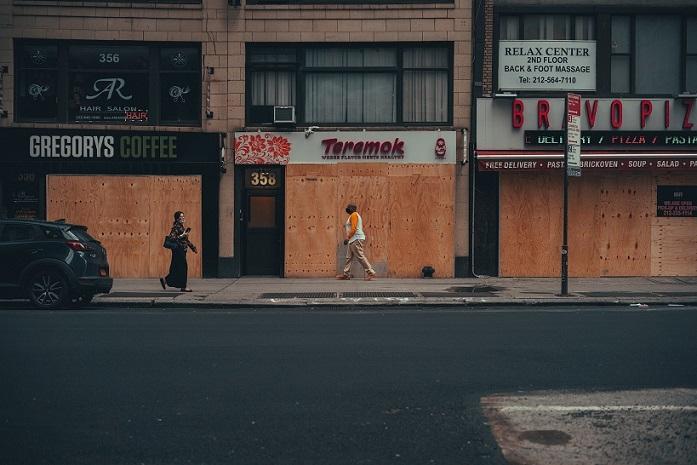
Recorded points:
110,86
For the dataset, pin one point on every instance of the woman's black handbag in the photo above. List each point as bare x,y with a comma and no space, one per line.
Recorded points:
170,243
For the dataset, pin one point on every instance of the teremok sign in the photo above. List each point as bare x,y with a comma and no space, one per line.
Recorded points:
281,148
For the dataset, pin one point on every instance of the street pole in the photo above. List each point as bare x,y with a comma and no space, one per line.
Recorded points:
572,167
565,233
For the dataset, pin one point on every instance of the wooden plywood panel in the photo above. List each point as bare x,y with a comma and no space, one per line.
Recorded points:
71,198
421,170
530,224
311,220
584,224
122,223
368,188
170,194
677,179
673,240
609,225
422,212
386,195
674,247
625,230
125,213
100,203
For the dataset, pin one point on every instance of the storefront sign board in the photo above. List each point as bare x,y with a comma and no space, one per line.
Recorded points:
310,147
547,65
89,146
502,123
664,162
615,139
676,201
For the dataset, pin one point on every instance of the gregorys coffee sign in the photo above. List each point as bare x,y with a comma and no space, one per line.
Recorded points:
78,146
55,145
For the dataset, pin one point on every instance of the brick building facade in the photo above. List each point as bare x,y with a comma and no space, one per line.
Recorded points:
633,208
52,43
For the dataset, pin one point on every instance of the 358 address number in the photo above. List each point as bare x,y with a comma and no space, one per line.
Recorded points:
260,178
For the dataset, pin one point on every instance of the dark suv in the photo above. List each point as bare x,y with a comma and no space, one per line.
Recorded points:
52,263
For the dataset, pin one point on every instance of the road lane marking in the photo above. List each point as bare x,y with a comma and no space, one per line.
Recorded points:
598,408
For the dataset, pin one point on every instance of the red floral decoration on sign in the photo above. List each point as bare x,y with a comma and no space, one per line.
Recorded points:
262,149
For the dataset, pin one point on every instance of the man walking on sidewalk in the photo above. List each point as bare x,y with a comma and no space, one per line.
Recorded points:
354,238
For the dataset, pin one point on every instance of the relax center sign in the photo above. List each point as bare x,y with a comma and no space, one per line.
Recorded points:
568,65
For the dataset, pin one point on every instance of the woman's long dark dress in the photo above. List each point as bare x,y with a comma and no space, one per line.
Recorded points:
178,268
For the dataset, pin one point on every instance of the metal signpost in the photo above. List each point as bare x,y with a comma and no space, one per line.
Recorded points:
572,167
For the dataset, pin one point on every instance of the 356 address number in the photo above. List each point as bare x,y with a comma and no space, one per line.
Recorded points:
109,58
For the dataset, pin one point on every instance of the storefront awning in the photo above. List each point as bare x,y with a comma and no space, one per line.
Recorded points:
505,160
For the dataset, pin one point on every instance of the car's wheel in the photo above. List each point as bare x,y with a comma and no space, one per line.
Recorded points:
48,289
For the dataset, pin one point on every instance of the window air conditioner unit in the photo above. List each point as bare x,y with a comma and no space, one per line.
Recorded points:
284,115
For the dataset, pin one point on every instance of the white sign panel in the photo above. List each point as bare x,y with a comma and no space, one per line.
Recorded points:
573,135
503,123
281,148
547,65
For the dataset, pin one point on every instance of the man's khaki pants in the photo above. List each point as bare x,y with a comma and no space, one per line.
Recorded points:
355,249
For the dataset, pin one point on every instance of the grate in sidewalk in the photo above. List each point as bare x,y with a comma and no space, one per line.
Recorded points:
359,294
298,295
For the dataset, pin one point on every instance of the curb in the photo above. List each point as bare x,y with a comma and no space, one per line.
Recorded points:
634,304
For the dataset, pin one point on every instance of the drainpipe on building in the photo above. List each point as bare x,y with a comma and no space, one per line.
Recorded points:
478,36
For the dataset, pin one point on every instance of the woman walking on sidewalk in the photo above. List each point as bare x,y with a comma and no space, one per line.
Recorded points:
178,269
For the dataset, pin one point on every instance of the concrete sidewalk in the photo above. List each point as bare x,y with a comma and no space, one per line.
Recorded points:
287,292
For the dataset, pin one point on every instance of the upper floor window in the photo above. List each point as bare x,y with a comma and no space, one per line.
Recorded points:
108,83
377,84
653,54
546,27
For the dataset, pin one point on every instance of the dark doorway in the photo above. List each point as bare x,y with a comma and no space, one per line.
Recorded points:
262,221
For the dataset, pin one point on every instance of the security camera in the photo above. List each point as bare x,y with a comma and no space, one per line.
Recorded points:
309,131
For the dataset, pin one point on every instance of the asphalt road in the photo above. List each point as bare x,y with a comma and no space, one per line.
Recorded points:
292,387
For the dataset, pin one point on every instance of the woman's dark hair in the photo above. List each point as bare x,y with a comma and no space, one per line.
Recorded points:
350,208
177,215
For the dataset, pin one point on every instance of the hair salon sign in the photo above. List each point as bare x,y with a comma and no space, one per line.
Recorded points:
280,148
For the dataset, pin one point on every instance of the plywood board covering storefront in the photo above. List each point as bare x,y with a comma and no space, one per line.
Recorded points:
130,215
408,214
609,225
674,240
613,229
